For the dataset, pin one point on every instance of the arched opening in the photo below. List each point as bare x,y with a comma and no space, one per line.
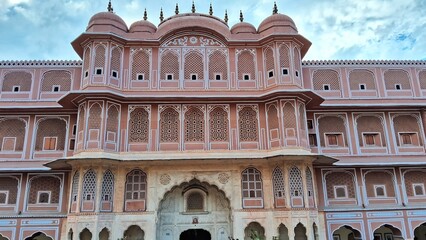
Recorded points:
39,236
300,232
3,238
387,232
347,233
254,231
134,233
85,234
315,229
195,234
283,232
419,232
104,234
70,234
186,202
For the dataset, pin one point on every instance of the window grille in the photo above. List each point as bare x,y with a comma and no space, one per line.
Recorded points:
248,125
89,186
252,183
12,128
218,65
295,181
141,65
169,125
74,191
9,185
246,65
136,185
219,125
107,186
194,125
139,125
195,202
309,182
44,184
278,183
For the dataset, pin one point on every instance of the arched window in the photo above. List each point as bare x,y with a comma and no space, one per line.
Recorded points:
112,127
56,81
74,191
194,66
194,125
246,64
279,187
8,190
169,125
12,135
107,196
51,134
219,125
136,185
99,59
139,126
89,191
195,201
218,65
44,190
296,187
252,188
248,124
141,65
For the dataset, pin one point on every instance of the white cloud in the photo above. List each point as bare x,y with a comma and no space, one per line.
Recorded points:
338,29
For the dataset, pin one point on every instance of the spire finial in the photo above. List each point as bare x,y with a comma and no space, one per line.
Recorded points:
226,17
241,16
177,9
211,9
161,14
109,8
275,10
145,15
193,7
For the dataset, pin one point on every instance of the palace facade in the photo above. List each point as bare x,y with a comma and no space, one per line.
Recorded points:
196,130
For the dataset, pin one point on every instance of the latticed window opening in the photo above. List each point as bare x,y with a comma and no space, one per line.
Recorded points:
86,62
328,78
414,180
370,131
360,77
422,79
74,191
39,186
169,125
95,118
382,180
194,66
139,125
99,58
278,183
81,123
252,183
89,186
108,187
115,62
309,183
336,179
12,134
18,78
195,202
56,78
218,65
246,65
219,125
248,125
295,181
273,117
141,65
194,125
297,62
51,135
397,77
269,62
169,65
112,123
407,130
289,120
136,185
8,190
284,57
331,131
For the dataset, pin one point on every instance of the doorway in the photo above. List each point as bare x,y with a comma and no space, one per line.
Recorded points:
195,234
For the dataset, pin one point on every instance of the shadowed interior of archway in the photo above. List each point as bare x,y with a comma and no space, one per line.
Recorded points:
39,236
195,234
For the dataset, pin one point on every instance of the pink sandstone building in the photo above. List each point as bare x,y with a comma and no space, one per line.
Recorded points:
195,130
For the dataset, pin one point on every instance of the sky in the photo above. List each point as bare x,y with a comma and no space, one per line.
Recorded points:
338,29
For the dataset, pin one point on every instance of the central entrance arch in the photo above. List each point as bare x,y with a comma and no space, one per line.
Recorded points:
194,207
195,234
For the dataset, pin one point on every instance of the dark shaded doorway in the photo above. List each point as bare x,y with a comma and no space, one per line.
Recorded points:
195,234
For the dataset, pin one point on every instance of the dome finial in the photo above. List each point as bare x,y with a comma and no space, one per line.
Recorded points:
109,8
193,7
177,9
241,16
161,14
211,9
226,17
275,10
145,15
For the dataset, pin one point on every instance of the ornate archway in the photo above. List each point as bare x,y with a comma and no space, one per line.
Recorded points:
420,232
194,205
39,236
